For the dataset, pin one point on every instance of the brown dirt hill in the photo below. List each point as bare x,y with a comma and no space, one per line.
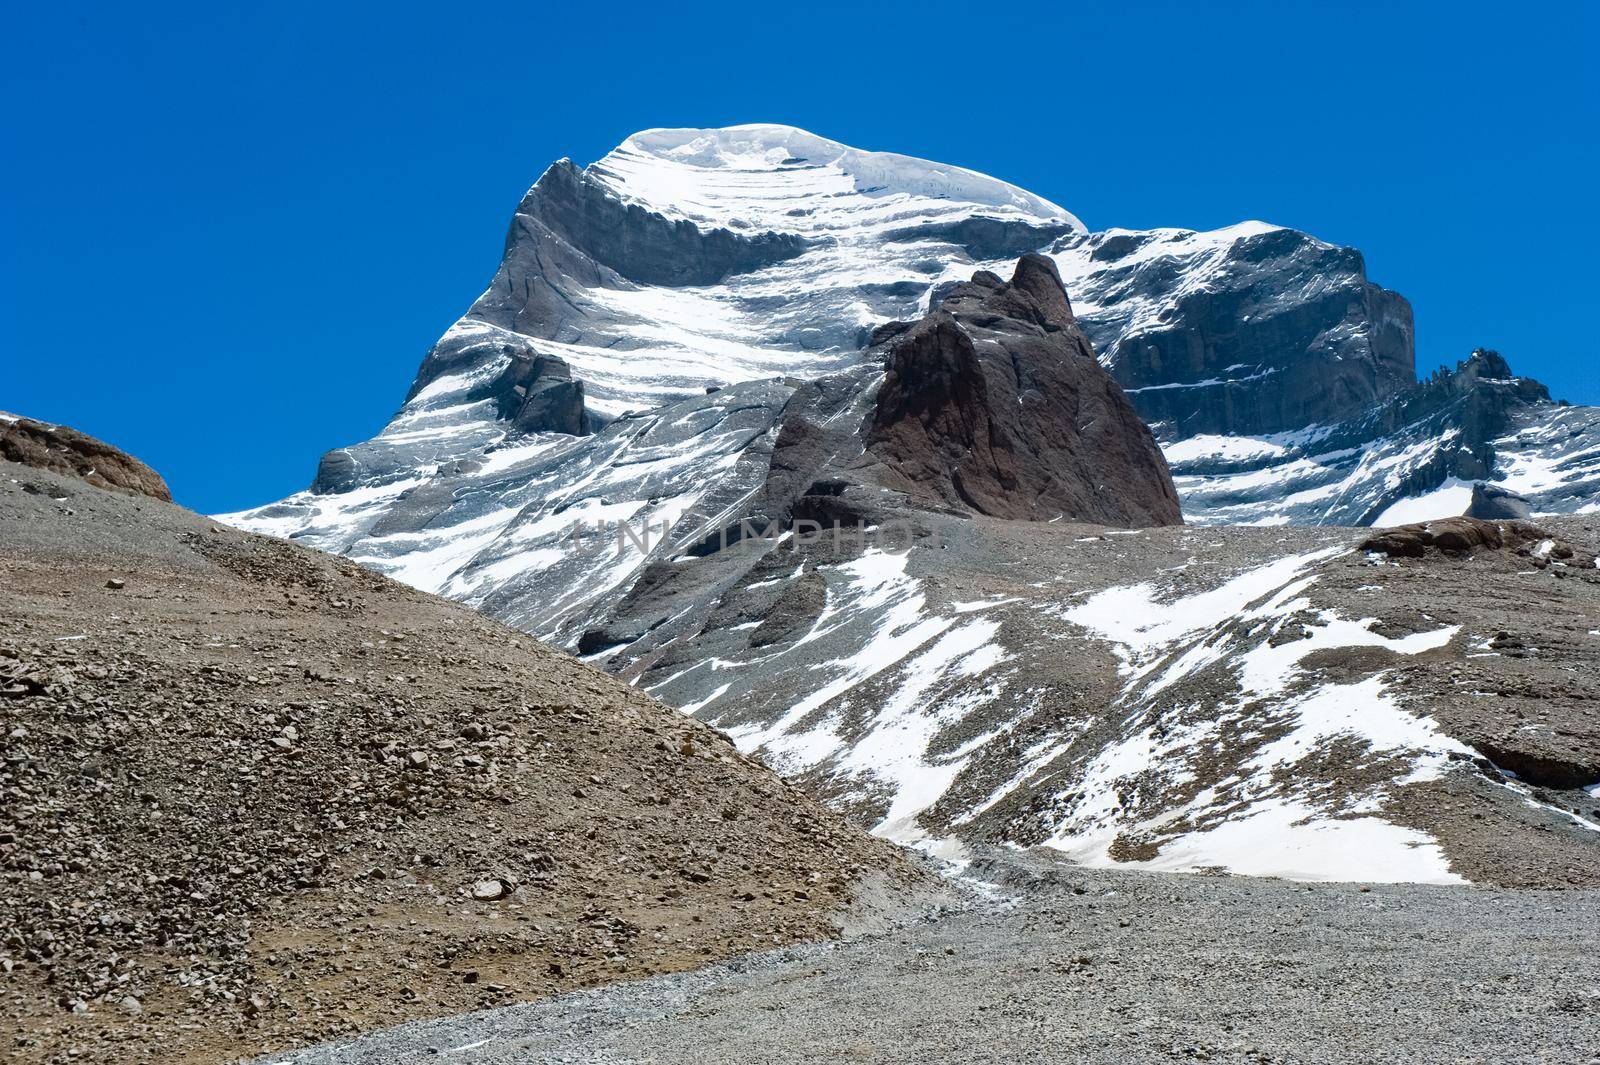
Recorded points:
253,796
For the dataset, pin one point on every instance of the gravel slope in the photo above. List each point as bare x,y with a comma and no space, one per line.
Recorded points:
253,796
1100,966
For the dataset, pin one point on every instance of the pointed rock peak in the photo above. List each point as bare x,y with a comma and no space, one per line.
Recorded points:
1490,363
994,402
1483,367
1038,277
1034,294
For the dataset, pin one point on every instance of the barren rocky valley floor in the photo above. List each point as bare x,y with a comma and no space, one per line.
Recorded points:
1066,964
259,798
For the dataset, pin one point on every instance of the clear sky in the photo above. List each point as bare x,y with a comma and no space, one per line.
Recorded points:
227,237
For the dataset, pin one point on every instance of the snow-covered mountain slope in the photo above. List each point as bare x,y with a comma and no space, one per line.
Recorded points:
695,259
687,259
616,296
544,530
766,178
1475,439
1180,698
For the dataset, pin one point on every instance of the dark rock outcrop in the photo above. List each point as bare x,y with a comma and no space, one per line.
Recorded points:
337,471
1464,537
984,238
67,451
795,611
995,402
546,397
1564,769
1452,535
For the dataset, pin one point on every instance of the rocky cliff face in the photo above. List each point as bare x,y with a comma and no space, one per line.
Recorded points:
1248,330
1429,451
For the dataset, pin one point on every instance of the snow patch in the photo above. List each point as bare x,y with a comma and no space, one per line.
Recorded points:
1449,500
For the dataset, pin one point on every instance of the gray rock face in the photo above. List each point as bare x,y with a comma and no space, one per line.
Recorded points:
1249,331
1491,503
641,245
982,237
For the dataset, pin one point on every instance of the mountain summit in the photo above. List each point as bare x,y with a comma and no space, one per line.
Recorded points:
687,261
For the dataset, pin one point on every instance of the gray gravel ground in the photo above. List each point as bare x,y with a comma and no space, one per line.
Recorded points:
1100,966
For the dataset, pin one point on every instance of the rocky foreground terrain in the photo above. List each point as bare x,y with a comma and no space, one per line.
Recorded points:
1060,963
253,796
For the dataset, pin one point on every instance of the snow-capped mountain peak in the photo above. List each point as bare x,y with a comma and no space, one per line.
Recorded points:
783,179
709,328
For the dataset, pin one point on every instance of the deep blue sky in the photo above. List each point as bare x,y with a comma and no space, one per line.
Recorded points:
227,238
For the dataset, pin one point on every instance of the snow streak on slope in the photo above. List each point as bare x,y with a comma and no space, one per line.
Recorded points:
1552,459
1324,475
929,665
1262,815
935,715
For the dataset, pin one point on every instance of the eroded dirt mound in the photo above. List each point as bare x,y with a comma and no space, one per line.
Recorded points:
74,454
254,796
1468,536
